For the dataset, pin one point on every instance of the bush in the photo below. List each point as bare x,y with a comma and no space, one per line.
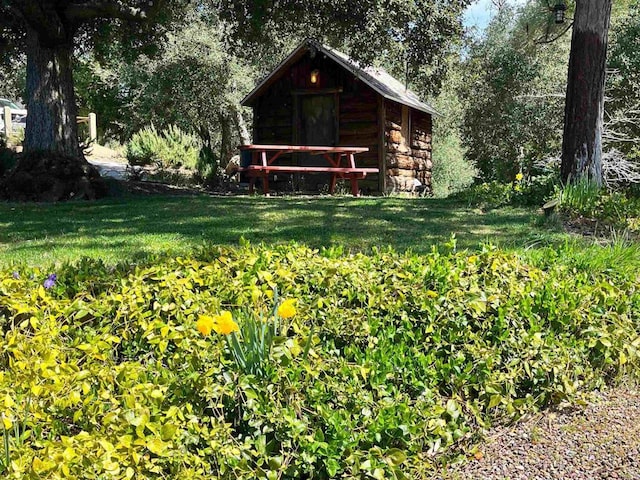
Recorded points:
390,360
618,209
170,148
451,171
7,157
531,191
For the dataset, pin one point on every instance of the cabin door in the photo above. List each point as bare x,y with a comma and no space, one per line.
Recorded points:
318,117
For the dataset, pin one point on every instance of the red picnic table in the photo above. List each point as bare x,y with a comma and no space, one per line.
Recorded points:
341,164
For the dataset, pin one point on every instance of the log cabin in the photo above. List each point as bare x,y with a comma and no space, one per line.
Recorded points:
319,96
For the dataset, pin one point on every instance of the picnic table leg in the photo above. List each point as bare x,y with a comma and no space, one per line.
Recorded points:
332,185
354,186
265,184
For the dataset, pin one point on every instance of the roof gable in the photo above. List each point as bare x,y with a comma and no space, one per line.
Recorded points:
376,78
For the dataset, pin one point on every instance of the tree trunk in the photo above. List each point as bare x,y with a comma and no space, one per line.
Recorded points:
51,101
584,108
241,125
226,137
52,167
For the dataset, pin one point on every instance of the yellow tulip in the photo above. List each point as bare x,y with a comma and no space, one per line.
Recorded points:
287,309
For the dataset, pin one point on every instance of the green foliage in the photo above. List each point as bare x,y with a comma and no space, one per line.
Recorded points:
402,34
451,171
582,196
492,194
623,85
532,191
617,209
513,93
407,356
169,148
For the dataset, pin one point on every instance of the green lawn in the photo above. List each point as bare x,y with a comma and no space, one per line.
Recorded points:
135,226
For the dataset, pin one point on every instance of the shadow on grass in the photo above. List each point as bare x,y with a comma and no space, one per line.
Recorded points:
132,226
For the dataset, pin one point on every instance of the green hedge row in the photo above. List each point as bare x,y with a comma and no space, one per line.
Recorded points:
391,360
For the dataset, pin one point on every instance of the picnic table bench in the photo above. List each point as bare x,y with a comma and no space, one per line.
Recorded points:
341,164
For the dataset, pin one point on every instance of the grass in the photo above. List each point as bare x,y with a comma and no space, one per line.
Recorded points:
136,226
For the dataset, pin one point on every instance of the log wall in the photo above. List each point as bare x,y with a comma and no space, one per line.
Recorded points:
273,115
359,127
408,148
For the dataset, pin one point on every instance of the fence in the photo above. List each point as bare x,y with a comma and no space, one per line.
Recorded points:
91,120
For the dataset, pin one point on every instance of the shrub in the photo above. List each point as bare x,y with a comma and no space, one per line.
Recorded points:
7,157
451,171
390,360
529,191
618,209
170,148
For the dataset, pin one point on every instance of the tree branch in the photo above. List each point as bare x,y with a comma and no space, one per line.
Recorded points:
43,18
544,40
83,10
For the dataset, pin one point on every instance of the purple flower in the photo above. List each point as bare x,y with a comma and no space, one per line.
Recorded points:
50,281
16,275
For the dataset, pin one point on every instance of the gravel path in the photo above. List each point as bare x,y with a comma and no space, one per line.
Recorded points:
598,441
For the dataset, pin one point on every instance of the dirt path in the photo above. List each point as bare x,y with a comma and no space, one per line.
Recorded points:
110,163
598,441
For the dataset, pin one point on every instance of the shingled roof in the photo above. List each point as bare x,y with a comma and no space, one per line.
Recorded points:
376,78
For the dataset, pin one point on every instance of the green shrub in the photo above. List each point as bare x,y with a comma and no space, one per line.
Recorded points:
617,209
451,171
582,196
390,360
529,191
170,148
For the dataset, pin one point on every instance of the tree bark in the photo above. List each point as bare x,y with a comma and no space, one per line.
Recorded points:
52,166
51,102
584,107
241,125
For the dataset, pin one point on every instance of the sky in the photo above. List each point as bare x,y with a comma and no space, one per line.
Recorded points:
479,13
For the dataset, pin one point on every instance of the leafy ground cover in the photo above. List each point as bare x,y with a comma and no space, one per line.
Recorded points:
136,226
391,360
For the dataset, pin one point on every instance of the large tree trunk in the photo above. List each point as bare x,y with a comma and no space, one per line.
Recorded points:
51,105
52,167
584,108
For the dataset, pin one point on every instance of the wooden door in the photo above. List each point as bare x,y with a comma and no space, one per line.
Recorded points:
318,126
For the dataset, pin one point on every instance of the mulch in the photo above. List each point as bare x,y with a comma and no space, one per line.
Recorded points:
600,440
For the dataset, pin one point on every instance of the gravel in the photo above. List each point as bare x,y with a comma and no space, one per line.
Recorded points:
598,441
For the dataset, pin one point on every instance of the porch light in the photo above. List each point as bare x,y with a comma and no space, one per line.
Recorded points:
558,11
314,76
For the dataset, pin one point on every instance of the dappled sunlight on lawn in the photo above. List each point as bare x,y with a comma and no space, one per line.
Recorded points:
121,228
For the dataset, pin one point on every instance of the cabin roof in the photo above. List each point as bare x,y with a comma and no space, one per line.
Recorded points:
376,78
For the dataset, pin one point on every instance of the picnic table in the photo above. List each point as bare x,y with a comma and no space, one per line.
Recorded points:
341,164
